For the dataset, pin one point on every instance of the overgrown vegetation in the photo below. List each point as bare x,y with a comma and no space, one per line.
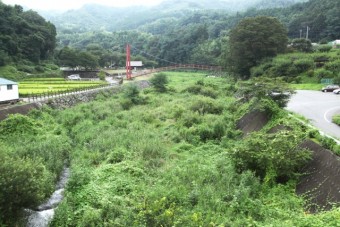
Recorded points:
304,70
170,158
33,150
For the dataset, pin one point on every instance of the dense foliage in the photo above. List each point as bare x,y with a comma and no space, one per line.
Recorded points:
24,35
253,40
144,158
177,159
186,32
299,67
33,150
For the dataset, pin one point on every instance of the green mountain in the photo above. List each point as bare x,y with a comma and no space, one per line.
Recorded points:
94,17
24,35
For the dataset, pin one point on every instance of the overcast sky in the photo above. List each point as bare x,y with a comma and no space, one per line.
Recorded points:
74,4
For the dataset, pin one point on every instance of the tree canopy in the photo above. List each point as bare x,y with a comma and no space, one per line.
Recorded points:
253,40
24,35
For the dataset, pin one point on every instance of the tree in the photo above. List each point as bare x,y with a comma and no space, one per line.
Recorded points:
252,40
274,89
303,45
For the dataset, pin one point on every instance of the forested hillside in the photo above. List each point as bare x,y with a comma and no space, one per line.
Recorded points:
24,35
97,17
180,32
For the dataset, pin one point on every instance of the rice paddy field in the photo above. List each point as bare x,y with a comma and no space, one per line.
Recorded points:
35,86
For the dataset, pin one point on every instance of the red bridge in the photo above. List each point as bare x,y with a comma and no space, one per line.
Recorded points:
179,66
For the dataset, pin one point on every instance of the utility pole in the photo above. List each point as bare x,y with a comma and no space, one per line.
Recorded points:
308,28
300,33
128,62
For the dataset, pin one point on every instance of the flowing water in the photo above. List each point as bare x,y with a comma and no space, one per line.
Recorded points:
45,212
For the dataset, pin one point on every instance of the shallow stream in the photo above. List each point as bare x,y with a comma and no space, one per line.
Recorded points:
44,213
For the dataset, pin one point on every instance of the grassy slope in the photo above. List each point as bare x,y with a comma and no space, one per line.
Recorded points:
163,164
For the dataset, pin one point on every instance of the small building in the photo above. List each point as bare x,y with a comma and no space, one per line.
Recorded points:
9,90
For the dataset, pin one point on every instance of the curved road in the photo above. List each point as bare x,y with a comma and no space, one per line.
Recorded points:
318,107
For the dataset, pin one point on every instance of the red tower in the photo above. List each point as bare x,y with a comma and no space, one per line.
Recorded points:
128,62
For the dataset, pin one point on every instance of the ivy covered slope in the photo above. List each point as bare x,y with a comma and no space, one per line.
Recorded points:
172,156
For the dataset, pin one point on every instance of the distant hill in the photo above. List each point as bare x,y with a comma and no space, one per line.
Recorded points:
94,17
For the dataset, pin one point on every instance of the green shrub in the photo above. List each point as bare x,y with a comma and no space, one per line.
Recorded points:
323,73
336,119
26,68
271,156
324,48
19,124
159,82
303,65
102,75
283,67
132,92
199,90
126,104
206,105
24,183
333,66
39,69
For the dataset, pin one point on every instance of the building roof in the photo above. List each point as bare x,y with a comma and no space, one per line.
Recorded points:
6,82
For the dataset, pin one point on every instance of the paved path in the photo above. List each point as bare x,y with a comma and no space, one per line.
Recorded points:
318,107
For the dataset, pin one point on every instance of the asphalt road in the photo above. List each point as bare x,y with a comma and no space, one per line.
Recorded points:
319,108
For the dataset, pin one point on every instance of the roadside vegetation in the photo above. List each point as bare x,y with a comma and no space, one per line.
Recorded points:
305,71
336,119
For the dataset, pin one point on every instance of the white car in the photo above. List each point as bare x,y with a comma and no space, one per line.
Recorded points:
336,91
74,77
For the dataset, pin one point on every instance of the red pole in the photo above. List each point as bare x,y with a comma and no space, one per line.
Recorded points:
128,62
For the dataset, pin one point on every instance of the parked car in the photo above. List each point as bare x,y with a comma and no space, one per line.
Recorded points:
336,91
74,77
330,88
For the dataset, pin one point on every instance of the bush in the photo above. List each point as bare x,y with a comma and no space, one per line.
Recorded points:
18,124
271,156
323,73
336,119
303,65
26,68
131,92
102,75
206,105
159,82
324,48
24,183
39,69
333,66
283,67
198,89
303,45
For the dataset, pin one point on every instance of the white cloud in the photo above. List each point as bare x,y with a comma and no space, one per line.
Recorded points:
74,4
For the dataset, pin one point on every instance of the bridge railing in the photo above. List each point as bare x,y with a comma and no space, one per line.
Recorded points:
179,66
